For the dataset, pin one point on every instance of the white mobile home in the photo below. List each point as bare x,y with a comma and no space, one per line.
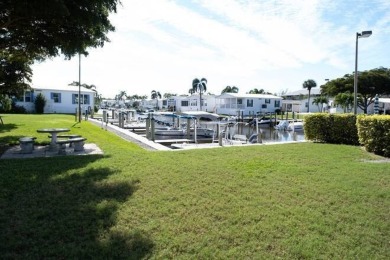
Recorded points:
232,103
59,100
297,101
383,106
188,103
191,103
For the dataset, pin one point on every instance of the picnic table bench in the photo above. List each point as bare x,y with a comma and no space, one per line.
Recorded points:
27,144
78,144
66,136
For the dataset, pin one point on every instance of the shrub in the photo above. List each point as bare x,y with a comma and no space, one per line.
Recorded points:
374,133
331,128
40,102
5,103
15,109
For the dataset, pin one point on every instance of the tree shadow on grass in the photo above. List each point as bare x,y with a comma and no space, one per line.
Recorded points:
5,140
9,140
7,127
66,213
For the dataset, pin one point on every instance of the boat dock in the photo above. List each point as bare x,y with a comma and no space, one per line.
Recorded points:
172,141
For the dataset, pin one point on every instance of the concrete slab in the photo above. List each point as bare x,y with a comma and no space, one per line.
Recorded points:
42,151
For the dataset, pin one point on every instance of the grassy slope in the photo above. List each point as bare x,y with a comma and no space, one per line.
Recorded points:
290,201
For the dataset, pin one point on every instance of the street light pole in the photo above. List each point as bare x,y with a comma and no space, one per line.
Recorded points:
363,34
79,99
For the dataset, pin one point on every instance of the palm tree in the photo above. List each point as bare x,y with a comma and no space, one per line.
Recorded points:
122,95
320,101
201,87
169,95
88,86
191,91
230,89
309,84
155,95
97,96
256,91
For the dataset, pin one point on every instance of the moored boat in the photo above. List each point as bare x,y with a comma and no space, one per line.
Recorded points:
170,131
285,125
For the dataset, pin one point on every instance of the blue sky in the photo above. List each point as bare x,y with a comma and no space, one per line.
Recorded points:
274,45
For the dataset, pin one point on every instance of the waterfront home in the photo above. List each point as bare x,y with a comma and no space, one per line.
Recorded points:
188,103
298,101
247,104
58,99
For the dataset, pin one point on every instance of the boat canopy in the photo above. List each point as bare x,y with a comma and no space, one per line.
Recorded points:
203,116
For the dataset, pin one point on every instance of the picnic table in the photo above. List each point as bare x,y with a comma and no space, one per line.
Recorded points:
53,132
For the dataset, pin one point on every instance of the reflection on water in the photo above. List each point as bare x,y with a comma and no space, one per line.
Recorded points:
271,135
268,134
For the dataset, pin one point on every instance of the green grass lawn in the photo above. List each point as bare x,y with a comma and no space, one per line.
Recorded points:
301,200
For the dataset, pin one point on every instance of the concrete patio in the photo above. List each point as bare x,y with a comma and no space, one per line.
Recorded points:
43,151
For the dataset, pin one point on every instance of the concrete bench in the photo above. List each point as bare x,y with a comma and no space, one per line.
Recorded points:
78,144
67,136
26,144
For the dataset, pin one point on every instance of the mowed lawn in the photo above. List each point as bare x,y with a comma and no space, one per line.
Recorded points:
303,200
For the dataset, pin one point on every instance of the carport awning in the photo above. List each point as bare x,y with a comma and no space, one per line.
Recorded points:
384,100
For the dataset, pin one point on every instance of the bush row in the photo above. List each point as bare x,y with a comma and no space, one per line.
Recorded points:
373,132
331,128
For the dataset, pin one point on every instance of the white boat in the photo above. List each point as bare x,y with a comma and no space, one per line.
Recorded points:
203,116
285,125
263,122
202,132
295,126
170,131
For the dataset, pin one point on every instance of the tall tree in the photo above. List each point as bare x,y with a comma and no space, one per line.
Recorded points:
229,89
36,30
370,83
309,84
15,73
201,87
155,95
344,100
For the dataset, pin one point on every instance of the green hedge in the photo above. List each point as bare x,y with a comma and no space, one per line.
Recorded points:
374,133
331,128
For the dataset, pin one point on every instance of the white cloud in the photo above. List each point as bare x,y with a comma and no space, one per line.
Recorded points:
164,44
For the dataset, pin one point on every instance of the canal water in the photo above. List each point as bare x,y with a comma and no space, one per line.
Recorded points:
267,134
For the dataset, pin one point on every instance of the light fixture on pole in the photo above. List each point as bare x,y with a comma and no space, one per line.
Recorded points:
363,34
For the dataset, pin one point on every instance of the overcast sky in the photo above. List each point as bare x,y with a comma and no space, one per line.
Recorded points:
273,45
